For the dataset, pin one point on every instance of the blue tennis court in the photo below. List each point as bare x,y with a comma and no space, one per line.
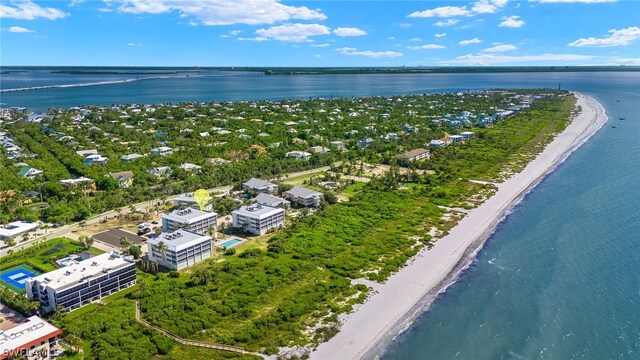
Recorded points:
16,276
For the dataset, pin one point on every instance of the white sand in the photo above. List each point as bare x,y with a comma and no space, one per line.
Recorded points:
374,323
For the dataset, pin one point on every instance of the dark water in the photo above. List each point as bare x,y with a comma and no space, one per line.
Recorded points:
560,279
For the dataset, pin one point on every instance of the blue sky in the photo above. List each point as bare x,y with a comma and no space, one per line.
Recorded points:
319,33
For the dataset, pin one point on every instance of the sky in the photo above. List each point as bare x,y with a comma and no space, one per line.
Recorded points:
319,33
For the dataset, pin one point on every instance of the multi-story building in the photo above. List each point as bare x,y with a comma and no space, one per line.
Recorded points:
187,201
179,249
31,339
414,155
82,282
259,185
258,219
303,196
190,219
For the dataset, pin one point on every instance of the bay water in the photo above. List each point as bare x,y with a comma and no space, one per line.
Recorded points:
560,277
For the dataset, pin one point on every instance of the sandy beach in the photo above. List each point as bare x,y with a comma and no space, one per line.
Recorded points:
371,327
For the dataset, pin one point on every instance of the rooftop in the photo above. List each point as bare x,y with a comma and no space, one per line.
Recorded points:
258,211
16,227
84,270
27,334
256,183
299,191
179,239
187,215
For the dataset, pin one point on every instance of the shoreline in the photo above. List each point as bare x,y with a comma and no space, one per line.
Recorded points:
372,326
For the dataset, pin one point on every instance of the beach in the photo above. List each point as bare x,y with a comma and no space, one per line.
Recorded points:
390,309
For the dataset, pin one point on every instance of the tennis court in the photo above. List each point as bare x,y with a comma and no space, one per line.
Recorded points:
15,277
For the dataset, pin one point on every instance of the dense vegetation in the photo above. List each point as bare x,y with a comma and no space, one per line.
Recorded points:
265,296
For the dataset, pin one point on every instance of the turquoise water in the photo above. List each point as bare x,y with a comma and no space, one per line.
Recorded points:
230,243
560,278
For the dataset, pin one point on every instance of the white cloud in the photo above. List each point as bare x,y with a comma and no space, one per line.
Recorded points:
441,35
27,10
231,33
293,32
349,31
416,39
257,38
134,44
490,59
426,46
575,1
18,29
223,12
443,12
75,2
622,37
391,38
500,48
488,6
513,21
470,41
449,22
368,53
321,45
627,61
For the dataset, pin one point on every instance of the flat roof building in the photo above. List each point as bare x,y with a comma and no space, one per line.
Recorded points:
16,228
182,248
258,219
29,340
190,219
83,282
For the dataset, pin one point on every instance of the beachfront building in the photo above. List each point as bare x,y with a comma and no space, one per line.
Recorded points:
124,178
85,184
190,219
15,229
186,201
414,155
162,151
259,185
179,249
82,282
456,138
258,219
303,196
30,339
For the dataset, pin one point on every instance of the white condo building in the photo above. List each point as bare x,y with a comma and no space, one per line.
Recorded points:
258,219
182,248
82,282
186,200
190,219
31,339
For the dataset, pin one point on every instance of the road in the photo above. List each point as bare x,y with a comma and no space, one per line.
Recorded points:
67,230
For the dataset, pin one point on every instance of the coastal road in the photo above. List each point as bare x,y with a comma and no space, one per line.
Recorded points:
67,230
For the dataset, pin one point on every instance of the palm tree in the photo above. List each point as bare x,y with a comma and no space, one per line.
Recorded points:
125,244
162,247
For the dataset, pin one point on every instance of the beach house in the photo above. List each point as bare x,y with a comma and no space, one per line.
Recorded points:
259,185
303,196
124,178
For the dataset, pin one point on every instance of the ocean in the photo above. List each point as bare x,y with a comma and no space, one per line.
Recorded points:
560,277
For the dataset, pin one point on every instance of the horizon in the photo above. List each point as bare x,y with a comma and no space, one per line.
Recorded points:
224,33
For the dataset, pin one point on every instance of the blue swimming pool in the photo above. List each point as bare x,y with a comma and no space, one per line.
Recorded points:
230,243
15,277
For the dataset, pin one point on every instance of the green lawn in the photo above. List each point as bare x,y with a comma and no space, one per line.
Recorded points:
43,256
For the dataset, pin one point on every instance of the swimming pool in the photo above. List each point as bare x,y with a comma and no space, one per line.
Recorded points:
230,243
15,277
65,261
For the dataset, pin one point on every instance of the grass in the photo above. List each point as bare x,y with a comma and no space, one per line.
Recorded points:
42,257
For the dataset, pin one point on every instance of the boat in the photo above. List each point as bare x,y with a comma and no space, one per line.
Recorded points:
621,118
